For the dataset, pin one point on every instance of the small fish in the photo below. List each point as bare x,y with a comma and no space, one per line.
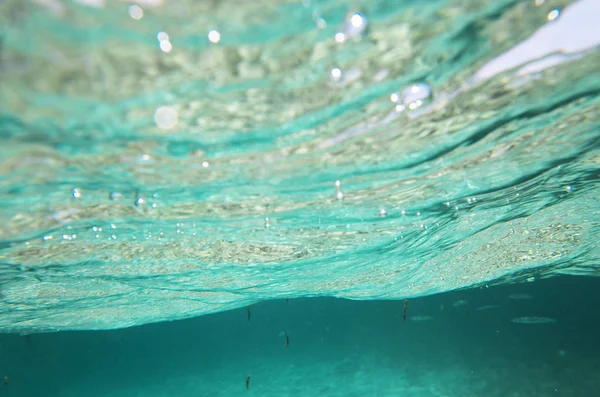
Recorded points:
519,296
249,314
533,320
460,303
421,318
405,307
287,338
486,307
5,380
247,382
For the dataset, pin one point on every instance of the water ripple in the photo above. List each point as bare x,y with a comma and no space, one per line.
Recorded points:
142,182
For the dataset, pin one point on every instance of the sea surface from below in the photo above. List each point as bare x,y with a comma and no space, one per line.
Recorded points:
167,160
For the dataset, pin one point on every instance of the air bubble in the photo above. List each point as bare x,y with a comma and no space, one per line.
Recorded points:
164,42
554,14
136,12
339,195
162,36
166,117
166,46
267,223
214,36
355,25
336,75
340,37
382,212
412,97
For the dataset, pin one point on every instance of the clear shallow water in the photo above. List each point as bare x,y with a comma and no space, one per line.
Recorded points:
336,348
148,174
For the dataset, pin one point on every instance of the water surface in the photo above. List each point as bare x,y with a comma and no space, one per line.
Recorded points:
153,170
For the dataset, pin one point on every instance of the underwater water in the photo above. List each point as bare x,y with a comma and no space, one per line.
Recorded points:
461,343
188,160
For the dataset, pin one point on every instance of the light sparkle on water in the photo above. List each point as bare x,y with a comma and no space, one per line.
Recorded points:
214,36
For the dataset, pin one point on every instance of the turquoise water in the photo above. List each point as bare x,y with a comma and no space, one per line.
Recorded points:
336,348
186,160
